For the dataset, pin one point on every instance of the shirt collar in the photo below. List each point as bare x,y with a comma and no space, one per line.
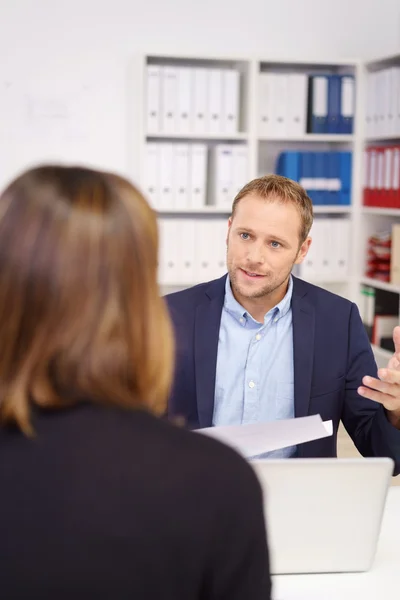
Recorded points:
232,306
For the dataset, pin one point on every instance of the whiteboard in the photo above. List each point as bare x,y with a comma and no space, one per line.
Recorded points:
74,118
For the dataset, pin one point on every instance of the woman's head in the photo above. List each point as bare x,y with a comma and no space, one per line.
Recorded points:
80,313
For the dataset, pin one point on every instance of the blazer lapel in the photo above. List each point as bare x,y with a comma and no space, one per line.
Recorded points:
303,347
208,318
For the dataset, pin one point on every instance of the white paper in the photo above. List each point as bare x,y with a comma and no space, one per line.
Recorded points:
258,438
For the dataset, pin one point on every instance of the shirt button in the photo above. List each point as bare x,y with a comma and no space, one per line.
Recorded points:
251,384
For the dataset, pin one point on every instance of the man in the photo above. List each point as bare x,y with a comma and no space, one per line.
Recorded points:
259,344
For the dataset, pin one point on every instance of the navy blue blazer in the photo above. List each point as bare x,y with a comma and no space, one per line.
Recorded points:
332,354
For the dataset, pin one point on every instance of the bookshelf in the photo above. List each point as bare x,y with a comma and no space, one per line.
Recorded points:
380,136
262,149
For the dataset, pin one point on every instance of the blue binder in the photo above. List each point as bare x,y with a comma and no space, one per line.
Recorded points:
334,101
307,172
345,162
333,176
288,165
319,176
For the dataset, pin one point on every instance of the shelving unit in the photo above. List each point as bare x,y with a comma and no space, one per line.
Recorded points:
373,219
262,150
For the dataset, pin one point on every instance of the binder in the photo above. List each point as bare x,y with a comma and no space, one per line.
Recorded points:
169,99
152,170
166,177
332,196
186,252
199,96
297,104
184,120
240,169
366,190
180,165
387,196
221,179
198,175
307,170
214,104
345,163
288,165
265,104
320,183
168,251
347,104
205,250
153,97
280,106
230,95
334,108
318,104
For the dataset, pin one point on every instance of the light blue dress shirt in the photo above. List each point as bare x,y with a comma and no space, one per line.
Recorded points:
254,376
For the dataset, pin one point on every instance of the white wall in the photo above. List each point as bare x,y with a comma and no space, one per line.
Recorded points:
76,39
65,29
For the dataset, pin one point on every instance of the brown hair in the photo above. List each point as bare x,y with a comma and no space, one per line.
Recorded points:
286,190
81,317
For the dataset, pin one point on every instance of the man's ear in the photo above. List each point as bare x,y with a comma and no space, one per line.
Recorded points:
303,251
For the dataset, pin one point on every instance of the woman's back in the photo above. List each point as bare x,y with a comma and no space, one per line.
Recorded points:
106,503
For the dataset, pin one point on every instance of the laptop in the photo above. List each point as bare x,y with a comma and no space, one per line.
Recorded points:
323,515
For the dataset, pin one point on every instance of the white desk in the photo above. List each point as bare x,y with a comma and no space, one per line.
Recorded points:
381,582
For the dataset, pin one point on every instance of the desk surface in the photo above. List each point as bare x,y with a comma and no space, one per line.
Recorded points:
382,581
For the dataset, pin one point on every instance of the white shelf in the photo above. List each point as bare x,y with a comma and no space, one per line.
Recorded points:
384,212
380,285
230,137
205,210
336,138
381,353
383,138
331,209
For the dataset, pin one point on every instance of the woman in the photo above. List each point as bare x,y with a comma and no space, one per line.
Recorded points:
99,497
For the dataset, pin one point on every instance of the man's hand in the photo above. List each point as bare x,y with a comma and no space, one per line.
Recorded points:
386,389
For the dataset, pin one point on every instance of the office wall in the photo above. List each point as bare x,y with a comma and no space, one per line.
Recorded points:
49,45
68,32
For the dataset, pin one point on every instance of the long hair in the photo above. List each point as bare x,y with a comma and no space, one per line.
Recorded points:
81,317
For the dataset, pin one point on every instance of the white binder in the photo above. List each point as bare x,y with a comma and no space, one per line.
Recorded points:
153,98
186,241
280,105
152,171
205,250
166,176
168,251
181,180
185,115
169,99
240,168
199,98
197,175
214,104
222,175
297,104
230,95
266,84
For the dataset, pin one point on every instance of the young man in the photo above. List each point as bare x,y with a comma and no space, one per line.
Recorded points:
259,344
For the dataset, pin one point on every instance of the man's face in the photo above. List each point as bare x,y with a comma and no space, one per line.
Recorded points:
263,245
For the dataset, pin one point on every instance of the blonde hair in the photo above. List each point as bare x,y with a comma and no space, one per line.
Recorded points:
286,190
81,317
